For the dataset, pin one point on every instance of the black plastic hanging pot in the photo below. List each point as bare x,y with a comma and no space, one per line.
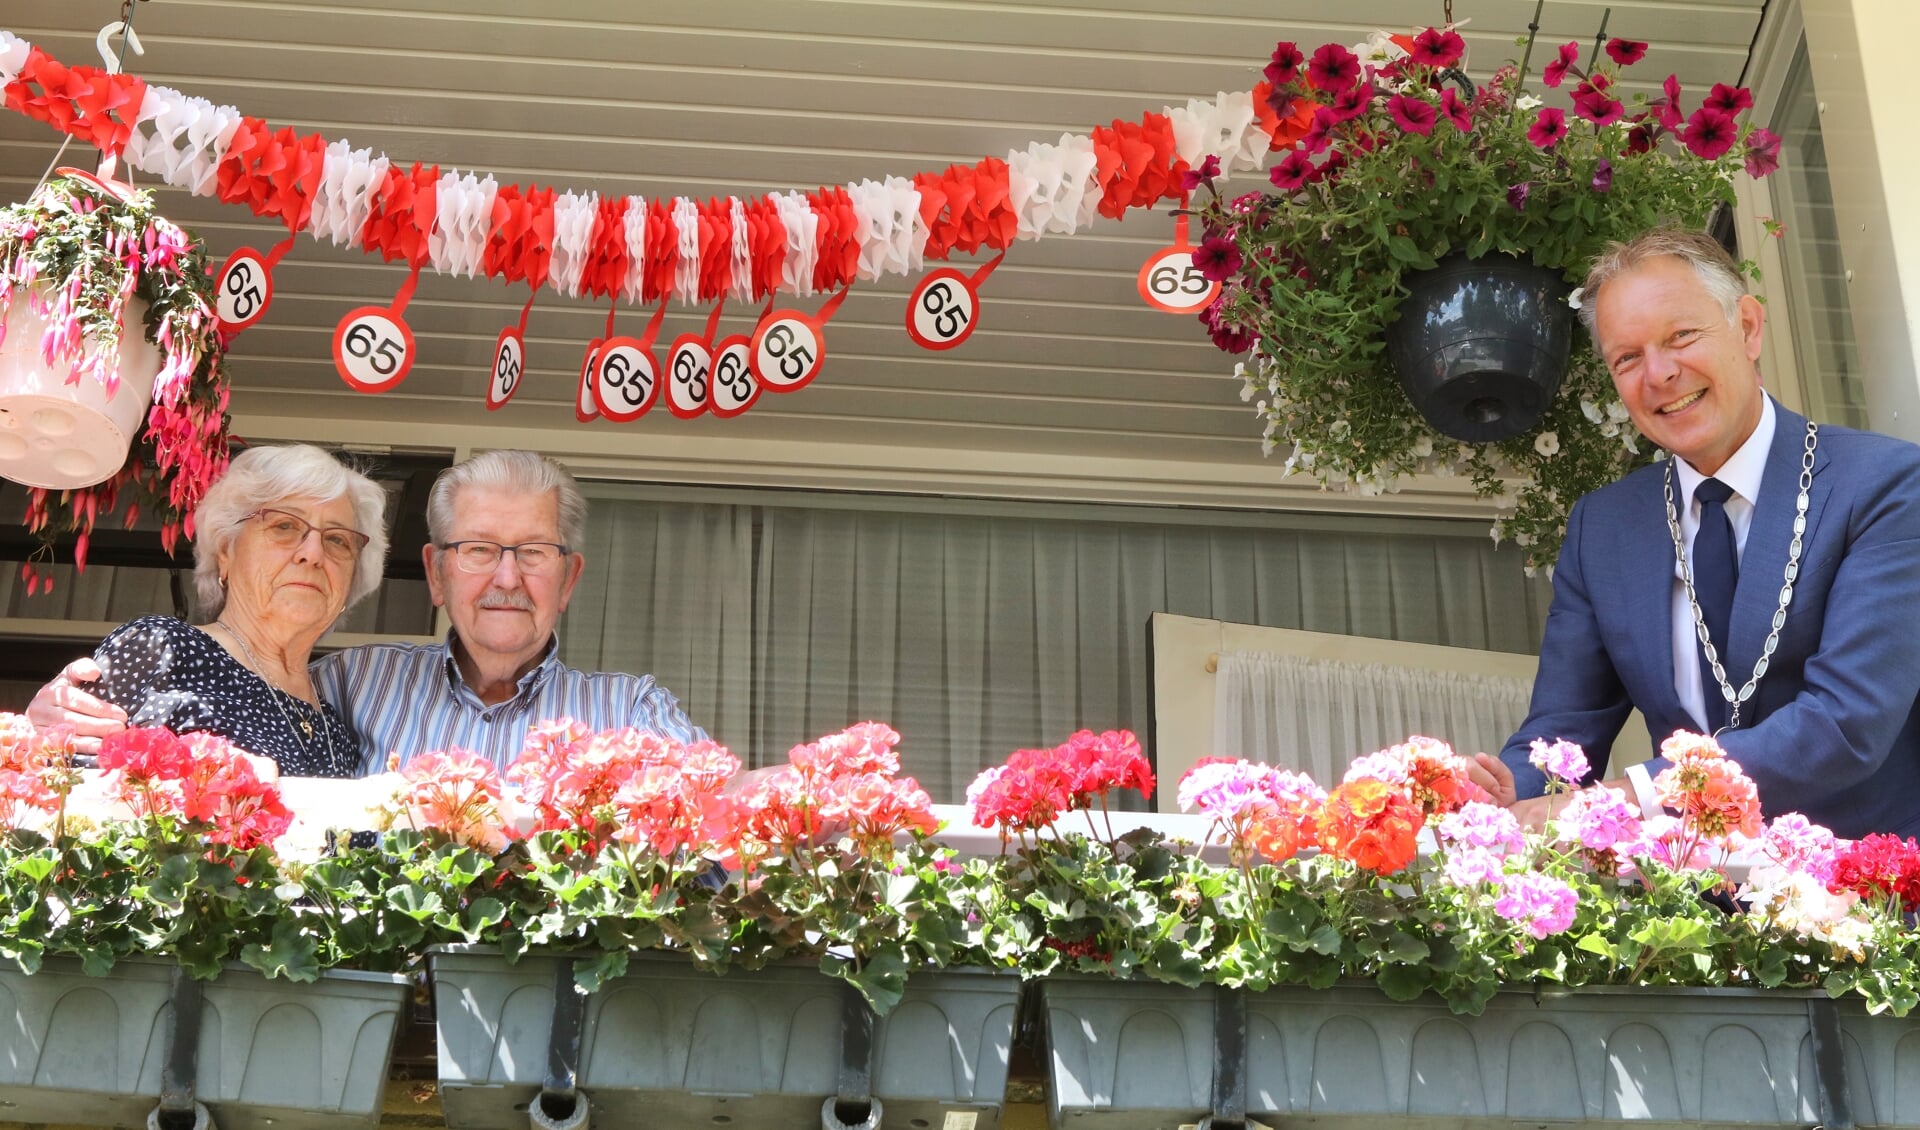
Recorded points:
1481,345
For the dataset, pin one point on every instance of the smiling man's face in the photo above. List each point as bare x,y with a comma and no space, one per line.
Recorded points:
1686,375
504,614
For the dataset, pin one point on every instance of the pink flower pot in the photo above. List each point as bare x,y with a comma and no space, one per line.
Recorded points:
63,434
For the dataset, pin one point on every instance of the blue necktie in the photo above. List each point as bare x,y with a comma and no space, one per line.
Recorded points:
1716,570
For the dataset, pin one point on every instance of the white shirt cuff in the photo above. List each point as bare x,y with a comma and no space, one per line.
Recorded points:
1643,794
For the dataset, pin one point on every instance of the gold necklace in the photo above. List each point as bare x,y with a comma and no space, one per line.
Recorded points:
273,692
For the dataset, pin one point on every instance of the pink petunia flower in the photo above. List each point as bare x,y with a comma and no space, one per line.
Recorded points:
1626,52
1710,133
1763,152
1456,110
1667,107
1217,259
1556,71
1548,128
1436,48
1294,170
1333,67
1285,66
1729,99
1412,115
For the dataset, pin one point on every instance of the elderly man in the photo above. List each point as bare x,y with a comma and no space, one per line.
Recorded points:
1793,549
504,527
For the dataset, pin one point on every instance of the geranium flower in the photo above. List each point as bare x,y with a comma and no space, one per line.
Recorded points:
1294,170
1412,115
457,793
1562,759
1541,904
1598,819
1880,866
1556,71
1798,844
1714,797
1763,152
1456,110
1488,827
1217,259
1626,52
1729,100
1371,825
1284,68
1333,67
1548,128
1435,48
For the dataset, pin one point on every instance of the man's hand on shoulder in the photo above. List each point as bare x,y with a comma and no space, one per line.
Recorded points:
66,702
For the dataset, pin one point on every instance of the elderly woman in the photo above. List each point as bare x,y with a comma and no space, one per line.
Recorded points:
285,542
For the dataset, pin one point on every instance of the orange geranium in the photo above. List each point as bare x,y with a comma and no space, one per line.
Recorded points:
1372,825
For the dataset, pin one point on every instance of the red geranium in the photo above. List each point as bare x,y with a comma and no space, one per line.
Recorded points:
1880,866
1372,825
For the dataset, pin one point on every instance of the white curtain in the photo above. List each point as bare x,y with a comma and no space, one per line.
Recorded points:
668,591
1316,715
975,635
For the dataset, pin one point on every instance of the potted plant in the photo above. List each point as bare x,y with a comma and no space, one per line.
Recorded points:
1410,169
1335,970
101,300
613,920
153,942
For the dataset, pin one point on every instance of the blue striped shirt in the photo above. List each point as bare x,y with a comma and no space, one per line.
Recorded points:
411,699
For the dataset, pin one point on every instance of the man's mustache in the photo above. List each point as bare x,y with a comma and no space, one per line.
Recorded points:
506,598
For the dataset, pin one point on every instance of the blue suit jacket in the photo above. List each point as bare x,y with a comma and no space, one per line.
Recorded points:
1832,731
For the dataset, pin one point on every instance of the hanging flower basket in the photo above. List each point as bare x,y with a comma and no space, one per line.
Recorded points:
103,302
1481,345
1406,165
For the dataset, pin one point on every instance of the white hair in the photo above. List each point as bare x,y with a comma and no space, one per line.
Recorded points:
264,476
518,472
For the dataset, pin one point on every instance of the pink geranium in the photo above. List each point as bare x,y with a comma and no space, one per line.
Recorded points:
457,794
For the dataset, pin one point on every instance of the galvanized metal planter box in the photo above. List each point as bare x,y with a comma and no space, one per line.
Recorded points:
270,1053
1132,1056
669,1045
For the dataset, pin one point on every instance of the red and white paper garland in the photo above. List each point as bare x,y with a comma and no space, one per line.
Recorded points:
631,249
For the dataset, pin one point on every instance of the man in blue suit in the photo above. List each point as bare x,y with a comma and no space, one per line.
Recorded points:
1829,727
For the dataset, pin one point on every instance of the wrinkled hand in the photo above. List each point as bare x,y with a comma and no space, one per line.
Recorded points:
65,702
1492,774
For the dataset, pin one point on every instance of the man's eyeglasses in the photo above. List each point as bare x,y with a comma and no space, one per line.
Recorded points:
532,557
289,531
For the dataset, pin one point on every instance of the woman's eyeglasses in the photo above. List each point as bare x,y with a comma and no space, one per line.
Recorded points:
289,531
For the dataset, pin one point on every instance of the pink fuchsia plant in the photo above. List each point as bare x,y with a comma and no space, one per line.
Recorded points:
1406,163
79,256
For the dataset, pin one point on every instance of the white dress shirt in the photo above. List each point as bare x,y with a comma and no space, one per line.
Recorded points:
1742,472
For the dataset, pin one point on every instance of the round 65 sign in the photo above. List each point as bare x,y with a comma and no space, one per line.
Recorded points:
788,351
1169,281
373,349
943,309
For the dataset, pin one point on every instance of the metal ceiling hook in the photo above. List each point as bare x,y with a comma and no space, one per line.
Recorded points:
108,58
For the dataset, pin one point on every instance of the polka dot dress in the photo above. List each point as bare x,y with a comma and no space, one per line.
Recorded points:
165,672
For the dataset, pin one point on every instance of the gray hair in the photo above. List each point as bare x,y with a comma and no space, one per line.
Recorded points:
262,476
519,472
1710,261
